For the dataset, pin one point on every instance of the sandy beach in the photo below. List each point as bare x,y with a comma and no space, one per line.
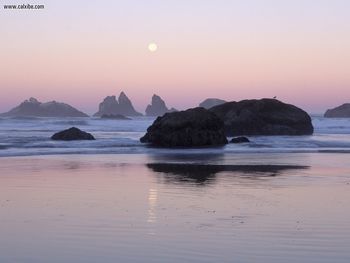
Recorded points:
174,208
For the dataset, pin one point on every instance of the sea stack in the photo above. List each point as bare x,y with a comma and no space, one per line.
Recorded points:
196,127
72,134
263,117
112,106
342,111
157,107
211,102
35,108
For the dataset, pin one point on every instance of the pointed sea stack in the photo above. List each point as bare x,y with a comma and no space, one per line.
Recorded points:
112,106
35,108
108,106
157,107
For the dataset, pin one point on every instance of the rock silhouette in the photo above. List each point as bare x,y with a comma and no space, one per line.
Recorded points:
263,117
191,128
342,111
157,107
122,106
35,108
72,134
204,174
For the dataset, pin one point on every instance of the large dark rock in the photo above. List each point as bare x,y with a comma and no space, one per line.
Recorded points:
122,106
342,111
211,102
240,139
191,128
71,135
263,117
35,108
157,107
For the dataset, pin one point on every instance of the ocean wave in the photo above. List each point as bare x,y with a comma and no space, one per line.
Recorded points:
24,118
71,122
30,130
331,125
95,144
57,146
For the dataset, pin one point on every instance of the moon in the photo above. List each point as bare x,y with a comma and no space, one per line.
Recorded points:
152,47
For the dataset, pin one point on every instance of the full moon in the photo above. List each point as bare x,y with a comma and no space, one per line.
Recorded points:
152,47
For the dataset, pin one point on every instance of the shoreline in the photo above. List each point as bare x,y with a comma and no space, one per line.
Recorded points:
213,161
180,151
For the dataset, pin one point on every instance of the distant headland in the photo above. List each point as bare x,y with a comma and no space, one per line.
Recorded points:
34,108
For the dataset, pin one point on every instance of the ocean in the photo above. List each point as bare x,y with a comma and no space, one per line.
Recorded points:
31,136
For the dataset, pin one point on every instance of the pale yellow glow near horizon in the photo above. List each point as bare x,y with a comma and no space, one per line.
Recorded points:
152,47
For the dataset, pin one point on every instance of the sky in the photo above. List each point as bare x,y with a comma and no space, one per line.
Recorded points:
79,52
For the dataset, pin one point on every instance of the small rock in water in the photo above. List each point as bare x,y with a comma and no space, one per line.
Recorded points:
72,134
240,140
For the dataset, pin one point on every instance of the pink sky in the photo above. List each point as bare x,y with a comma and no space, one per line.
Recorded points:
79,53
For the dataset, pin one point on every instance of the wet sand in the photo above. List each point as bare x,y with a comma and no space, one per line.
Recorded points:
175,208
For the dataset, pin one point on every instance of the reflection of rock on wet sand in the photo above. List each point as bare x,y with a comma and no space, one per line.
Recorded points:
203,174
